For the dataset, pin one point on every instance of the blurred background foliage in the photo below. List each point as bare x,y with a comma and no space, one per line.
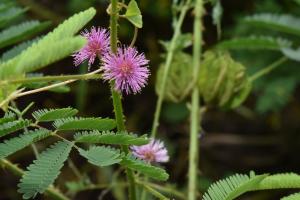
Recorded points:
261,135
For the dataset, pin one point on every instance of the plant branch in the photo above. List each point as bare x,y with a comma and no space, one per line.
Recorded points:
195,114
117,103
153,191
169,59
51,191
52,78
19,93
268,69
164,189
136,30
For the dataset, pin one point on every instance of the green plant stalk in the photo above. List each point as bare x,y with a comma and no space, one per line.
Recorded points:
268,69
51,78
169,59
164,189
50,191
82,89
117,103
153,191
195,114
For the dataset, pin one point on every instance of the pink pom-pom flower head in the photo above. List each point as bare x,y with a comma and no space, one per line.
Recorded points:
155,151
127,68
97,46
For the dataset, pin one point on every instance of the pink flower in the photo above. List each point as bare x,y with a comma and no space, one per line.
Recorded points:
127,68
155,151
97,45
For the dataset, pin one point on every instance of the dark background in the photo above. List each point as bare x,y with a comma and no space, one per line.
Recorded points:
263,137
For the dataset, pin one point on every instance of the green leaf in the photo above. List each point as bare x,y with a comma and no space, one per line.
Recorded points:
53,114
232,187
10,146
73,123
70,26
5,5
55,51
133,14
8,117
54,46
43,171
13,126
17,50
101,156
145,168
291,53
282,23
9,15
255,42
295,196
21,32
279,181
120,138
6,91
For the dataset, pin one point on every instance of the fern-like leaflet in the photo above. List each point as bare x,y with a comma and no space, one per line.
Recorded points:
11,53
232,187
283,23
277,181
10,14
53,114
20,32
8,117
10,146
107,137
74,123
295,196
60,42
101,156
145,168
13,126
255,42
43,171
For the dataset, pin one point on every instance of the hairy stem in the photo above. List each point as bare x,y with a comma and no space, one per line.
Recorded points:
117,103
19,92
52,78
169,59
268,69
51,191
195,114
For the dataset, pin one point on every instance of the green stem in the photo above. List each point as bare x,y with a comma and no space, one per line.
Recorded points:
52,192
153,191
51,78
117,103
195,114
169,59
268,69
164,189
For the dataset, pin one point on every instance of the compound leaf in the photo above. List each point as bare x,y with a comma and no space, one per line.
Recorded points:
43,171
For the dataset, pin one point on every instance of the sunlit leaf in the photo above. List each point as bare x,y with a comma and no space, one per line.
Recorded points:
133,14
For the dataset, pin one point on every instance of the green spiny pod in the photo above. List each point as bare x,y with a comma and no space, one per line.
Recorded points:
223,82
179,80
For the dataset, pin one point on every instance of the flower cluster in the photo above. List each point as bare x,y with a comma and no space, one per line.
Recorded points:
155,151
127,68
